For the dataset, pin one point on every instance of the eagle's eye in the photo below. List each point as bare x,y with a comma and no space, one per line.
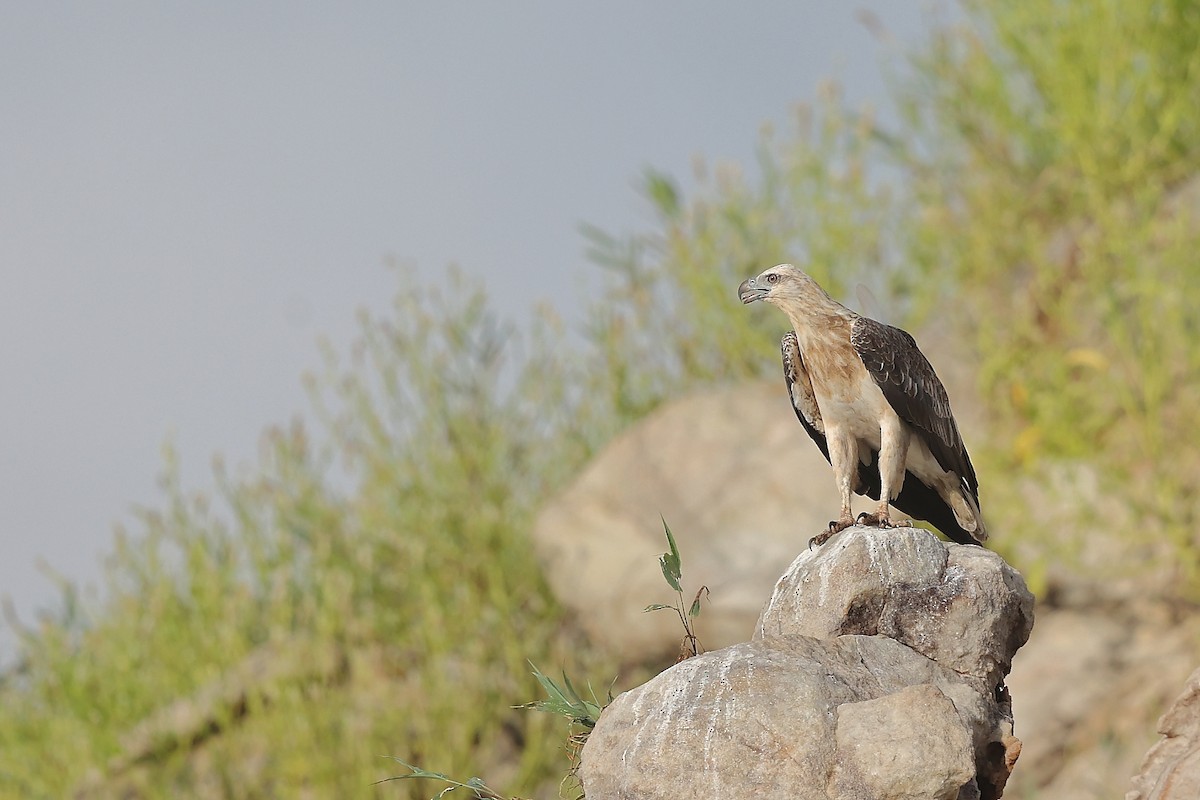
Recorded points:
773,278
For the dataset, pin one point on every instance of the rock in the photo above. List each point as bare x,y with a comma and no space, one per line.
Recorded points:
1171,770
880,740
741,497
813,707
959,605
765,718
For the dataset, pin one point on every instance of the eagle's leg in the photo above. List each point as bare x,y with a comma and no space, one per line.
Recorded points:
843,451
893,458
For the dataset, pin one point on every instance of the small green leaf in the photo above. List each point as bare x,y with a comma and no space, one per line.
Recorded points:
574,695
674,554
549,687
669,573
482,790
655,607
694,611
670,561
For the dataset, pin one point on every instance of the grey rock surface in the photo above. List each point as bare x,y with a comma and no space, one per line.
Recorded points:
879,741
816,709
1171,770
959,605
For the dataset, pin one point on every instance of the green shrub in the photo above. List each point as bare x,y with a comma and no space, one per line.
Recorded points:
1053,153
373,595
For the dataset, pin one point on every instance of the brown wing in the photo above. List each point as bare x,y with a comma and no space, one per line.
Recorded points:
913,390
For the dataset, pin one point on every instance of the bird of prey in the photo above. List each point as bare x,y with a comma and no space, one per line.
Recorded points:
870,400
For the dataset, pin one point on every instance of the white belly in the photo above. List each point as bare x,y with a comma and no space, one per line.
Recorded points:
858,410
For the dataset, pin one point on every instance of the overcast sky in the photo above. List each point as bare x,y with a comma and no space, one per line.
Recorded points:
190,195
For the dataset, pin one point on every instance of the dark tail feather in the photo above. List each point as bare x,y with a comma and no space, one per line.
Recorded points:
918,501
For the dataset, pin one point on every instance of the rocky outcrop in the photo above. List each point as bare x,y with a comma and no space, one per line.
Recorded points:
875,671
1171,770
1103,664
961,607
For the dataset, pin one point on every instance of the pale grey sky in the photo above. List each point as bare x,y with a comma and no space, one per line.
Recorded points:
191,194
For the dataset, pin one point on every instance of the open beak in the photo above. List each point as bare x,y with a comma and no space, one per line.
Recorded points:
749,291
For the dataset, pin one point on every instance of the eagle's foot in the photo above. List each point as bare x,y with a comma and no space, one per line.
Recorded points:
835,527
882,520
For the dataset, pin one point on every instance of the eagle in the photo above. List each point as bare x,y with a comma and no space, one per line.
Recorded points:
871,401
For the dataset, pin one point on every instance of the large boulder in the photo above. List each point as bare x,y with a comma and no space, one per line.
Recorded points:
1171,770
738,481
866,678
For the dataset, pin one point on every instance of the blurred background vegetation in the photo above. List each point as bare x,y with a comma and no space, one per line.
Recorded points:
370,590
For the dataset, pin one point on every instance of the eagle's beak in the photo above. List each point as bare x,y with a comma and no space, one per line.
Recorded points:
749,291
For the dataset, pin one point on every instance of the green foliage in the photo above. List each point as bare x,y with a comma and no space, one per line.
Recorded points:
581,714
1053,153
672,569
566,701
374,594
670,561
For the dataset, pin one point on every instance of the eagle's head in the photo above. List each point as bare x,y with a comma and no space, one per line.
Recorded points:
782,284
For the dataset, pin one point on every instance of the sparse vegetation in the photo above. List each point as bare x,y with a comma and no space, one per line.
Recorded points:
368,588
395,552
564,700
672,570
478,789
